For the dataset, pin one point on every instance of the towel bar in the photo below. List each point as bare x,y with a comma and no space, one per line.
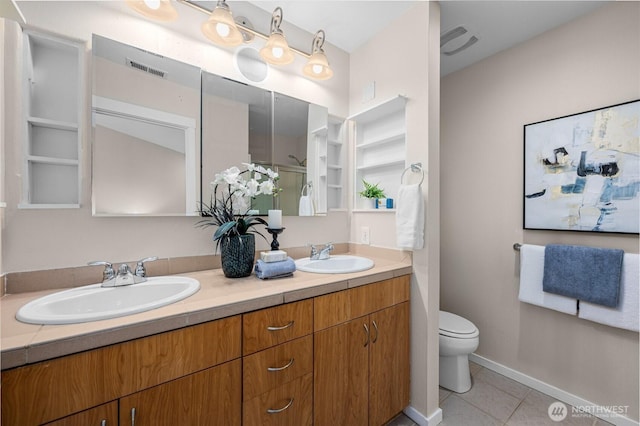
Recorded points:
415,168
516,246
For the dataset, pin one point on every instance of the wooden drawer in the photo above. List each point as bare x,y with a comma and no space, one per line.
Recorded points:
93,417
336,308
273,326
273,367
287,405
40,392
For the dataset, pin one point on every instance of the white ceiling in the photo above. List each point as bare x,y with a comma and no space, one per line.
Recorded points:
497,24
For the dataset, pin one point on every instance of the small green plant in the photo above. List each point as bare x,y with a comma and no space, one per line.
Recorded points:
371,191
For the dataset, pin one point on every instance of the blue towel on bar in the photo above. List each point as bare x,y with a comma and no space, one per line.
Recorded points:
284,268
584,273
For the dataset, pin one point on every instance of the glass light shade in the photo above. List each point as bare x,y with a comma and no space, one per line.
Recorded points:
318,67
159,10
276,51
221,29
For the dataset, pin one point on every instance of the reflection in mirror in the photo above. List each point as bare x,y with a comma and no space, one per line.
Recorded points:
146,115
242,123
236,121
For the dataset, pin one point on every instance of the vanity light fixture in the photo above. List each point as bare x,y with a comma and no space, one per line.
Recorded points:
220,28
318,66
160,10
276,51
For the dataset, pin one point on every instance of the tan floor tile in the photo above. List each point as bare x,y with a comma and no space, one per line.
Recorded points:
503,383
489,399
442,394
458,412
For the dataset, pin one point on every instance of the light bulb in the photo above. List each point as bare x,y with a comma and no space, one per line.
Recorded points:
223,29
317,69
277,52
152,4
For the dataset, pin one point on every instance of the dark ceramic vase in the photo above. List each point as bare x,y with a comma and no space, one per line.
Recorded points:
237,254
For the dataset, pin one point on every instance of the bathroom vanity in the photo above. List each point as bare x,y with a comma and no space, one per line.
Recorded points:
323,349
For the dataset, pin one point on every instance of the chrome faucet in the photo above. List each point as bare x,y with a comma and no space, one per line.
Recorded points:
124,276
322,254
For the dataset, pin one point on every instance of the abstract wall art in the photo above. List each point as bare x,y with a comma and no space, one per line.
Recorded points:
582,171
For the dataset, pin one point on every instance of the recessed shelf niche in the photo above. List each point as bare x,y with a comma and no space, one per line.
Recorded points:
52,117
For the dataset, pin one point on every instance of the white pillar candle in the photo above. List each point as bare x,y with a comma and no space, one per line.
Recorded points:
275,219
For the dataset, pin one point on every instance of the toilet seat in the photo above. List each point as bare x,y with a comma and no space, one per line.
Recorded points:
454,326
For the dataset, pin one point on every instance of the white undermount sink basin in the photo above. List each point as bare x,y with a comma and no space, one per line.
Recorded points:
338,264
94,302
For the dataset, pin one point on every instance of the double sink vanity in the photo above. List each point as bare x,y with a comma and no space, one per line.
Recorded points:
323,348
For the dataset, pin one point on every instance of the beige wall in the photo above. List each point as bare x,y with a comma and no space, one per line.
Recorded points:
44,239
589,63
400,60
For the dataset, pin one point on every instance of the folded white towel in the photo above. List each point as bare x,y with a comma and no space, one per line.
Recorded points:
305,207
531,273
626,315
410,217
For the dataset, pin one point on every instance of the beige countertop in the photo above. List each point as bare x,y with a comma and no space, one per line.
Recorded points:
218,297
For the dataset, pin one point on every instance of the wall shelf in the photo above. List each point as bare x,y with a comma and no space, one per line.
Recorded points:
53,77
380,149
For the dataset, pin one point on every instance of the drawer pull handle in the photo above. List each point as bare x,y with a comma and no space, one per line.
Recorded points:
284,367
280,410
375,338
366,332
103,423
133,417
282,327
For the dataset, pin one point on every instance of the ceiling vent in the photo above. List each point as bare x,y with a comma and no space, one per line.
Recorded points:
146,68
452,35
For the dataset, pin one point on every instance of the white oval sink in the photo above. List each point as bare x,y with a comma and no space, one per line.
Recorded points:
338,264
94,302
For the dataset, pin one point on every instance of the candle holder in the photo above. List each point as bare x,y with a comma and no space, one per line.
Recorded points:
275,232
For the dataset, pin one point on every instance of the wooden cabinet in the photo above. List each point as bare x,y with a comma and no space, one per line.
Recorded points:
278,365
361,354
50,390
210,397
337,359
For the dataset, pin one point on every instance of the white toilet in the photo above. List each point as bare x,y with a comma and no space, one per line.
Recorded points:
458,338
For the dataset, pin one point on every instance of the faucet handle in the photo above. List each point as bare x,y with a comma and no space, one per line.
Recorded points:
108,272
140,269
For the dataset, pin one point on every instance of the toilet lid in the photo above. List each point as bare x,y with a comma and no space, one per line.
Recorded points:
455,326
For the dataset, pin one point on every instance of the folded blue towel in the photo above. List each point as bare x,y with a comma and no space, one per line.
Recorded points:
584,273
284,268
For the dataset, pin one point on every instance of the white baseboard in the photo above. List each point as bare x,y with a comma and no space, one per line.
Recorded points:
419,418
554,392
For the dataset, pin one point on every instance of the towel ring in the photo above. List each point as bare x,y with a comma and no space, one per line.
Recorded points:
308,187
415,168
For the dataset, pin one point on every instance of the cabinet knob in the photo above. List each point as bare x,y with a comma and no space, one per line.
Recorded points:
366,333
280,410
284,367
375,338
281,327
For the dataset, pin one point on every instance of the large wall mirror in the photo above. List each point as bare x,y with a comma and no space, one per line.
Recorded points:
146,133
162,129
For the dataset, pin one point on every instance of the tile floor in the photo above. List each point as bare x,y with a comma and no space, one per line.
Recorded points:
495,400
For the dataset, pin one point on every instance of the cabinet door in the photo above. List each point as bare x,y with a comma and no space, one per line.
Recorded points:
389,363
341,374
209,397
102,415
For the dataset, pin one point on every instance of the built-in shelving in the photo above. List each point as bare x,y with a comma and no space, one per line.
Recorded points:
380,149
52,117
335,163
